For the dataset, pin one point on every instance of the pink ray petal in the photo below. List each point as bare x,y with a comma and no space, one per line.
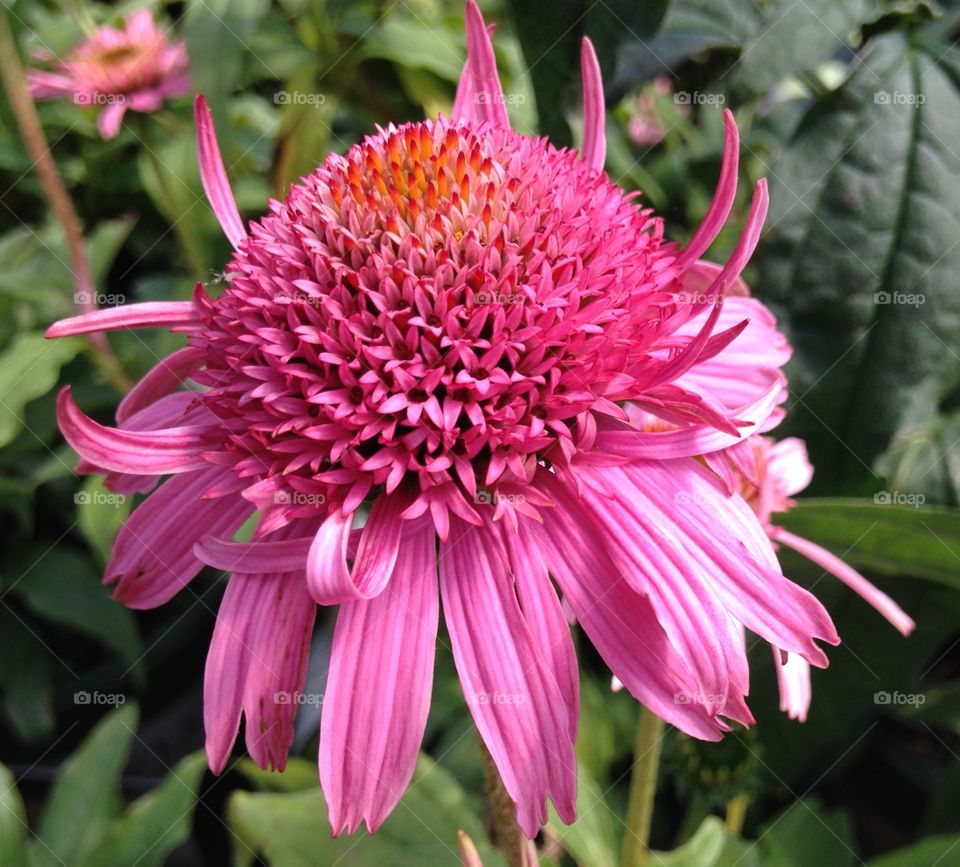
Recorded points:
166,376
491,104
593,150
513,697
793,682
214,175
145,314
370,737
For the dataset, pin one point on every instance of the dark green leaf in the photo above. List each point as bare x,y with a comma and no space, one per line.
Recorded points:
13,822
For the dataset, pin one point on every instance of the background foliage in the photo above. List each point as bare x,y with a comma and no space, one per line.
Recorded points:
850,108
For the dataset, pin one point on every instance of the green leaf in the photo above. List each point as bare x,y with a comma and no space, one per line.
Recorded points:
100,514
884,538
943,851
29,368
593,838
28,685
85,800
13,821
290,829
862,257
155,824
923,460
61,586
704,849
805,833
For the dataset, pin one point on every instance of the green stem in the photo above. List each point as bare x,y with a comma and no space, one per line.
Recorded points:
505,833
736,814
35,142
643,788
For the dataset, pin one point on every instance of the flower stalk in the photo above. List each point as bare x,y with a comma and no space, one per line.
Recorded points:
505,832
643,788
31,132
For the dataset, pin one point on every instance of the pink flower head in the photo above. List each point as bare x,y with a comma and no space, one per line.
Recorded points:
768,474
416,378
134,68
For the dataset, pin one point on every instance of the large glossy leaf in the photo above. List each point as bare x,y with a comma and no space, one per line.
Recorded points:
154,824
84,800
883,537
862,255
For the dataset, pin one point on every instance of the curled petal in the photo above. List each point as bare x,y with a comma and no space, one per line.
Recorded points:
146,453
214,175
161,380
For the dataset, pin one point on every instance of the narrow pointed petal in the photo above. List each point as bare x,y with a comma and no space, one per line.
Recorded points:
723,198
513,698
289,555
214,175
867,591
378,688
593,149
155,452
145,314
793,682
491,104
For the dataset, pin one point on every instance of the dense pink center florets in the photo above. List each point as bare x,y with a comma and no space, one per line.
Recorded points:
445,301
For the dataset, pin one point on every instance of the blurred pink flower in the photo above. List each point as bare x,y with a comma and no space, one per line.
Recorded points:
134,68
768,474
437,331
646,124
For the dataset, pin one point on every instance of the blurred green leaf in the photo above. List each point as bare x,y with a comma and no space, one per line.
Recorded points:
28,685
941,851
100,514
704,849
862,257
85,800
155,824
805,833
923,460
593,838
29,368
887,539
13,822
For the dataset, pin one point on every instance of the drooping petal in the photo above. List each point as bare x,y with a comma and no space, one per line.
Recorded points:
620,623
512,695
214,175
256,665
725,544
378,688
867,591
152,557
111,120
144,314
593,150
789,464
544,615
793,682
491,104
723,198
154,452
289,555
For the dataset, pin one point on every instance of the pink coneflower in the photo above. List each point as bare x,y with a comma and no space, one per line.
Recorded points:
135,68
768,474
434,336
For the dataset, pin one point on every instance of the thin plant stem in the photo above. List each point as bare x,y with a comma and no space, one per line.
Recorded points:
505,831
643,787
736,814
31,132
